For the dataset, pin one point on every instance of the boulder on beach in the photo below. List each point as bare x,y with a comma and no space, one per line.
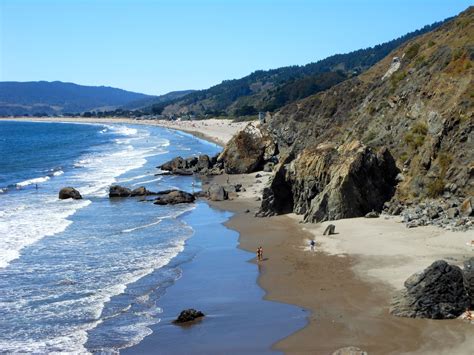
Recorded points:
69,192
438,292
188,315
119,191
469,279
217,193
173,197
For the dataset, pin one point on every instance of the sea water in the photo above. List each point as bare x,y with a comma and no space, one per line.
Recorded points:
76,275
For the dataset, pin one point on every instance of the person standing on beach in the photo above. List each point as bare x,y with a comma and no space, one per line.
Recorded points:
312,244
259,253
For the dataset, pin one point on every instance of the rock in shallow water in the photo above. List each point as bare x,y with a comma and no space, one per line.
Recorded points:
173,197
188,315
119,191
69,192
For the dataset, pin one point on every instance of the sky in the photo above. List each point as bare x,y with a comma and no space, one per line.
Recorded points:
155,47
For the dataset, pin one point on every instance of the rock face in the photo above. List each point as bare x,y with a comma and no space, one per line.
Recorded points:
248,150
69,192
188,315
173,197
119,191
328,183
438,293
217,193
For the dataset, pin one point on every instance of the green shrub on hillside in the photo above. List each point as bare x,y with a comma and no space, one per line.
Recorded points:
412,51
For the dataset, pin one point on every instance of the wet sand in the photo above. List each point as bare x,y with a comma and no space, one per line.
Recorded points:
347,309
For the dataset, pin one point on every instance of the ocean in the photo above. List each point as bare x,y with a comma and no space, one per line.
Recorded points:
88,275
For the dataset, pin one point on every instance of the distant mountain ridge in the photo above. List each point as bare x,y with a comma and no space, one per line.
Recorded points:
270,90
43,97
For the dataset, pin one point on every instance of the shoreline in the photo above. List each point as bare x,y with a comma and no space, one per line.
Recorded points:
218,131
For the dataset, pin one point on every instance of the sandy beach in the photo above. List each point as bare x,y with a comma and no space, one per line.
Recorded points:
219,131
348,281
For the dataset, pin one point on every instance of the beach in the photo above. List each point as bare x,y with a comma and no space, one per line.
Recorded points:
338,294
218,131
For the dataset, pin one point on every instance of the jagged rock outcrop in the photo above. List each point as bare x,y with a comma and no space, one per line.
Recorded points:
173,197
119,191
438,293
188,315
248,150
329,182
69,192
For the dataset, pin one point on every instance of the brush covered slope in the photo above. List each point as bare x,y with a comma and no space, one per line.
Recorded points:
415,105
269,90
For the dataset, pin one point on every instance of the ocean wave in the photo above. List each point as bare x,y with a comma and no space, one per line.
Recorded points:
34,181
27,224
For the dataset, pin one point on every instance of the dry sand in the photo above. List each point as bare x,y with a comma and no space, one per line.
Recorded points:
347,283
219,131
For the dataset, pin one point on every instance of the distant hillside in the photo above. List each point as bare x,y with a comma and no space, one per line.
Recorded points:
272,89
153,100
42,97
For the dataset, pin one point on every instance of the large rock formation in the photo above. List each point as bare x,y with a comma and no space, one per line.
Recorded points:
248,150
438,293
329,182
69,192
173,197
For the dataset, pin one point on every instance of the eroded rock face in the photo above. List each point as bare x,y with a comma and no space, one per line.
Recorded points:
173,197
119,191
248,150
69,192
188,315
438,293
328,183
140,191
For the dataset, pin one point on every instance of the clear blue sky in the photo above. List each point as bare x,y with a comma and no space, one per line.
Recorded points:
159,46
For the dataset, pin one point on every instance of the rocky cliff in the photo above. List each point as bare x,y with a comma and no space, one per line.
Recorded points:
415,105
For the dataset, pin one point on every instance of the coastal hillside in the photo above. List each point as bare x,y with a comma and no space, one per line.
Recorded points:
51,98
414,107
269,90
153,100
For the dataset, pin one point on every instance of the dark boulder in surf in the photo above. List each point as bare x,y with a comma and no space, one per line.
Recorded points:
69,192
188,315
173,197
119,191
